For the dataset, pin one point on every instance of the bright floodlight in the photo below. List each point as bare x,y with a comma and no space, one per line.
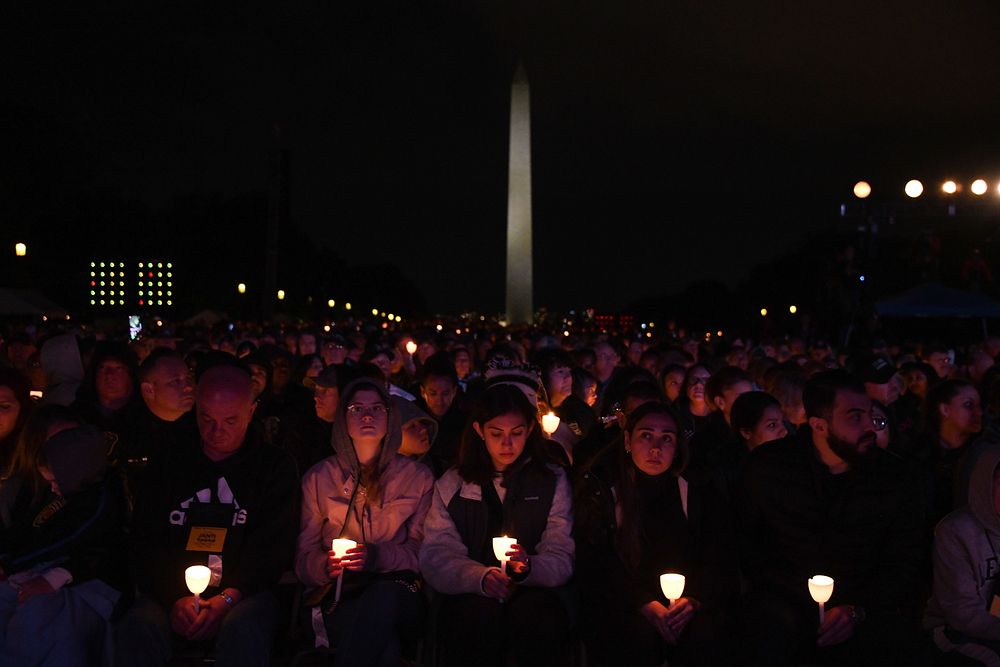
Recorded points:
862,189
949,187
914,189
979,187
20,249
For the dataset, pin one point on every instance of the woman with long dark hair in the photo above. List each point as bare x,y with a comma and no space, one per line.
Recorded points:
638,518
15,406
369,493
953,415
502,486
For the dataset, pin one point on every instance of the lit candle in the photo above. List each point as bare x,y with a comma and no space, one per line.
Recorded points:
550,422
501,545
340,547
197,577
411,347
672,585
821,588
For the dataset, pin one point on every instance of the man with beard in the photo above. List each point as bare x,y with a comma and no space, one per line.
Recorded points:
829,502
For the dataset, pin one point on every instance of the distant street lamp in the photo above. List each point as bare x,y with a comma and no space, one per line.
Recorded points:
792,309
914,189
241,288
949,187
20,249
862,189
281,295
331,303
763,312
979,187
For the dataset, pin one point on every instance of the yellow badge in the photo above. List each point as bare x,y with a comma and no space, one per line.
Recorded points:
206,539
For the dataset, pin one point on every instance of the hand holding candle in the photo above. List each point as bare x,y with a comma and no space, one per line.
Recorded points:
501,545
550,422
338,549
197,577
821,589
672,585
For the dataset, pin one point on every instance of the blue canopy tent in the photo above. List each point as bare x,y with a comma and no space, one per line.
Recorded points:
936,300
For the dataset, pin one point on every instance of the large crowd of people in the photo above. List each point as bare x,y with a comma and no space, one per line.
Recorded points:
497,497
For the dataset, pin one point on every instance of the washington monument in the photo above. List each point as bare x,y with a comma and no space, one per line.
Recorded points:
519,282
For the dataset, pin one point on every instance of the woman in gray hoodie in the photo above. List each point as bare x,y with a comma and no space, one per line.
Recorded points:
369,493
963,614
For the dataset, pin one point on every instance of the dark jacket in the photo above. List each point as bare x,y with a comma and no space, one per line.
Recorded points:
253,494
705,554
143,438
862,527
82,530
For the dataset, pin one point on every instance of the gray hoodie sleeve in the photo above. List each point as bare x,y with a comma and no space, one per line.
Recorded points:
959,590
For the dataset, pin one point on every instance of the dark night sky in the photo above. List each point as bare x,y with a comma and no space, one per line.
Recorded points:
673,141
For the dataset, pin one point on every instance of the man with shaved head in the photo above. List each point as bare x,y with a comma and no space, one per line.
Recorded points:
224,500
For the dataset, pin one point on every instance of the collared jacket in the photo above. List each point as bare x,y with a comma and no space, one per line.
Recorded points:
967,561
335,502
538,512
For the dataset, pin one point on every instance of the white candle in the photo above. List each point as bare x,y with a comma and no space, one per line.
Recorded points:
550,422
672,585
501,545
821,589
197,577
340,546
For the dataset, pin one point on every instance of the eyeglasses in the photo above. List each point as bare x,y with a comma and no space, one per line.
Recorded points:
879,423
377,410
